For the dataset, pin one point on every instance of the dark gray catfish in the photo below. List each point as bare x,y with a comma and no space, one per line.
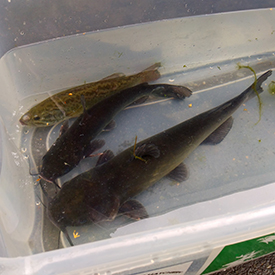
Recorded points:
76,142
105,191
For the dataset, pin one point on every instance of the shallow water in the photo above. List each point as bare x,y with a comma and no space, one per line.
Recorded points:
201,53
244,160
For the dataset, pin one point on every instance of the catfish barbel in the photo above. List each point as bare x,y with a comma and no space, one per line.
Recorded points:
107,190
77,141
67,103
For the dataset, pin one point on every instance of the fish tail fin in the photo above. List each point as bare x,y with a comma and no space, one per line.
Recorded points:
257,85
154,67
151,73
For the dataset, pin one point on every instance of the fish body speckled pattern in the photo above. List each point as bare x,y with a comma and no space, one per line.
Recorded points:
67,103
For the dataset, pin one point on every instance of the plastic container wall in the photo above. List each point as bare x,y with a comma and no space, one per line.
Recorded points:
17,199
200,57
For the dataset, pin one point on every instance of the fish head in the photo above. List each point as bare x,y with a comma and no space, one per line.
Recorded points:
68,210
61,216
81,201
53,167
41,118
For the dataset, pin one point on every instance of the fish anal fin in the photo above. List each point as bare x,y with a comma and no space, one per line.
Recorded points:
110,126
94,145
180,173
133,209
112,76
220,133
64,127
105,157
147,150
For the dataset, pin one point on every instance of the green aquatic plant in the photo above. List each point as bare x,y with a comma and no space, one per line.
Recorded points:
134,152
271,88
254,88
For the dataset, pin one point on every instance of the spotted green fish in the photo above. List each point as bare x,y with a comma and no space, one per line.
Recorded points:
68,104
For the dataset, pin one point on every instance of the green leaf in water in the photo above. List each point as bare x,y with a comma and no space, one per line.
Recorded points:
254,88
271,88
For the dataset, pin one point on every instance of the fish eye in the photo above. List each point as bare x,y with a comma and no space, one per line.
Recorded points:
36,117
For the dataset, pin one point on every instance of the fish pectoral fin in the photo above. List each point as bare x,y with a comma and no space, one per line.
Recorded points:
110,126
220,133
94,145
180,173
64,127
106,211
133,209
105,157
147,150
112,76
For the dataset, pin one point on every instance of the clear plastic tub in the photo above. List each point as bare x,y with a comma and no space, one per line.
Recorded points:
228,196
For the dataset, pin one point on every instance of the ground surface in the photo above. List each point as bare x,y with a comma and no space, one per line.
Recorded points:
262,266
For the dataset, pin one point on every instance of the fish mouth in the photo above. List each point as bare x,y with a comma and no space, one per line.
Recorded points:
24,120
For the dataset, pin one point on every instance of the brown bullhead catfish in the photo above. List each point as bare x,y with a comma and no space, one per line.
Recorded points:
76,142
105,191
67,103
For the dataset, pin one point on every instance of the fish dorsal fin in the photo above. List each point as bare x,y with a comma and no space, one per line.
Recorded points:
220,133
112,76
94,145
110,126
64,127
133,209
147,150
180,173
105,157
